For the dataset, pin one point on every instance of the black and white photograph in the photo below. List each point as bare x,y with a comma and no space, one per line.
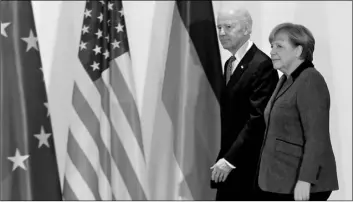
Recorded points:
175,100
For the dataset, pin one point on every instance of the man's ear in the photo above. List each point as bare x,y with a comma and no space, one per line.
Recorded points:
246,30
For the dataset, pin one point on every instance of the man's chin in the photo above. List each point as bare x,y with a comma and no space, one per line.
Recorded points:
227,47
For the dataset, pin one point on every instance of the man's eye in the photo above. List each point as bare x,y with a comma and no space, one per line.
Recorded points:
228,26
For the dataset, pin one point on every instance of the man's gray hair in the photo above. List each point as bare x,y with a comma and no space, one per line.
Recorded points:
239,12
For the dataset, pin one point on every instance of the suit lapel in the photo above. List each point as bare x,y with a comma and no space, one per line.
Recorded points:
225,72
282,86
242,66
238,72
278,87
304,65
285,87
274,95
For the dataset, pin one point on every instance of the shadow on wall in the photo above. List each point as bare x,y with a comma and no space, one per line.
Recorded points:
319,27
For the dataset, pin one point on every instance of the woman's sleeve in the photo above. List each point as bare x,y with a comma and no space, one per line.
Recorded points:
313,102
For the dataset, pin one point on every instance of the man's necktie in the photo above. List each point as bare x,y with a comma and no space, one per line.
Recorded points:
229,68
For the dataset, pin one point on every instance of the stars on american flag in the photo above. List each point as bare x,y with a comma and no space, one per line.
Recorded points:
85,29
83,45
97,49
121,12
110,6
99,33
119,28
87,13
95,66
103,38
100,17
106,53
115,44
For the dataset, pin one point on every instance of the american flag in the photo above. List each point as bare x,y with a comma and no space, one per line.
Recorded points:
28,166
105,153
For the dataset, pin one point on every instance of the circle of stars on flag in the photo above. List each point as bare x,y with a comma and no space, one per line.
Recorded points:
31,41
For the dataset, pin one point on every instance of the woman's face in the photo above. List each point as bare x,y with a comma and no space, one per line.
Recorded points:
283,53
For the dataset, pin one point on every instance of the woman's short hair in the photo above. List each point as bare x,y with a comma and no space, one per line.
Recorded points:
298,35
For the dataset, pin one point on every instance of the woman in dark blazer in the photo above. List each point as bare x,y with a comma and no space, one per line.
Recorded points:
297,160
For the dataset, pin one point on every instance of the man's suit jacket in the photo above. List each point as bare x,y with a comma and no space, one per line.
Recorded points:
297,142
243,101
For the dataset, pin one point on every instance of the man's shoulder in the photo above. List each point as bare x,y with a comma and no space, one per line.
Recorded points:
260,55
260,64
260,61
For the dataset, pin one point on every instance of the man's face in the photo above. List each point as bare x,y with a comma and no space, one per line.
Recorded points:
230,30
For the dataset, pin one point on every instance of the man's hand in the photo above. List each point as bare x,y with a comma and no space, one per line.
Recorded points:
220,171
302,191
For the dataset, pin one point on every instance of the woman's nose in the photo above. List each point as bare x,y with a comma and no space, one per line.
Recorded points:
221,32
272,51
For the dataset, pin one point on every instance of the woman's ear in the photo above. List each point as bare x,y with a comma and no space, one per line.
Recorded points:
298,51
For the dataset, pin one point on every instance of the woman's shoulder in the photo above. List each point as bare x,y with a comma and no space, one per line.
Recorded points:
311,74
311,82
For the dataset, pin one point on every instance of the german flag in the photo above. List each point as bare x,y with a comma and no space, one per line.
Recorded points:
186,113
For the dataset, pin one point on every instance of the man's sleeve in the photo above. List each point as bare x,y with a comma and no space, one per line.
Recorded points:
229,164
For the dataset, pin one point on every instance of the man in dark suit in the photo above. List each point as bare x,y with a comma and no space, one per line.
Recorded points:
249,82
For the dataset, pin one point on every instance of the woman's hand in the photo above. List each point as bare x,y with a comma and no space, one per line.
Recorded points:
302,191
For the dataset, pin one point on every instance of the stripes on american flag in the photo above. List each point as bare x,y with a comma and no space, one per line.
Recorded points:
105,154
